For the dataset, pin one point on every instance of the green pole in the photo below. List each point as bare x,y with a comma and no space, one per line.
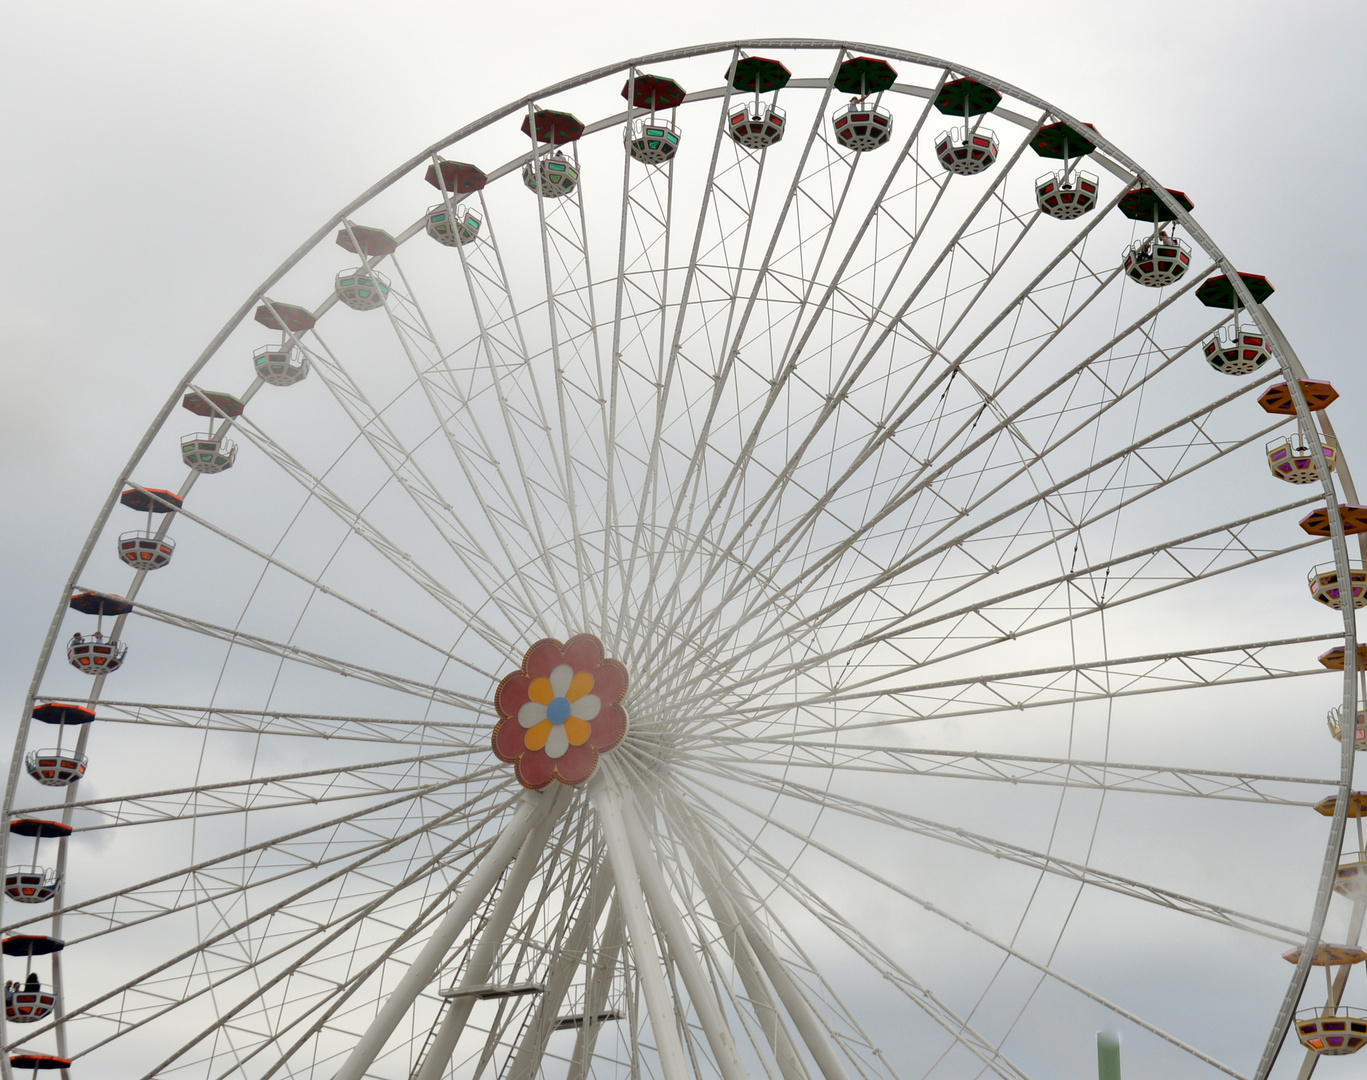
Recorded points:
1108,1055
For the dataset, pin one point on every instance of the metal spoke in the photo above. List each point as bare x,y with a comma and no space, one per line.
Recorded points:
306,656
141,896
221,935
329,591
282,790
884,430
822,439
840,756
1010,950
977,695
1074,871
413,480
306,725
963,1033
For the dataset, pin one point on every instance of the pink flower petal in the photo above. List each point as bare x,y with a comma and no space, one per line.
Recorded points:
535,770
610,681
509,740
577,765
542,657
609,729
584,652
512,693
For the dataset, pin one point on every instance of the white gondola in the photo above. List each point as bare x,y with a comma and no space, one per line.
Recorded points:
1157,263
94,655
653,142
280,365
31,884
1335,721
1236,352
862,127
29,1003
552,176
453,227
207,453
55,767
756,125
1066,196
965,151
362,290
145,550
1291,460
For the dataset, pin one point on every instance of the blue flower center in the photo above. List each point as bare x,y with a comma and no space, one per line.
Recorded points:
558,711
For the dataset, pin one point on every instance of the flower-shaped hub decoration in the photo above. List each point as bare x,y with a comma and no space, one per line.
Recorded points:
560,711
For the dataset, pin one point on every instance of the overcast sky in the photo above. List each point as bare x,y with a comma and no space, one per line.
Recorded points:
161,158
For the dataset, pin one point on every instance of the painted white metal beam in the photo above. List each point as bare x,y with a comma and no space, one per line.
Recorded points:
705,1003
786,1055
640,932
808,1025
530,811
600,968
482,957
570,958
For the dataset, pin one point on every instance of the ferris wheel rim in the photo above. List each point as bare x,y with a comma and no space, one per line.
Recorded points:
1182,214
387,181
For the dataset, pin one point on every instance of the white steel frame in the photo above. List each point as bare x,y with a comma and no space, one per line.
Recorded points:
670,484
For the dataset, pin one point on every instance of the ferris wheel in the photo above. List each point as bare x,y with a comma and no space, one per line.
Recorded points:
778,559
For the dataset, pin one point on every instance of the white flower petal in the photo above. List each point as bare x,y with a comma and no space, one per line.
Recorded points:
558,742
587,707
561,677
531,714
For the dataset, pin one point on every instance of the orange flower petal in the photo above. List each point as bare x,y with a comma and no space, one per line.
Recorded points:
581,684
577,730
536,736
540,691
